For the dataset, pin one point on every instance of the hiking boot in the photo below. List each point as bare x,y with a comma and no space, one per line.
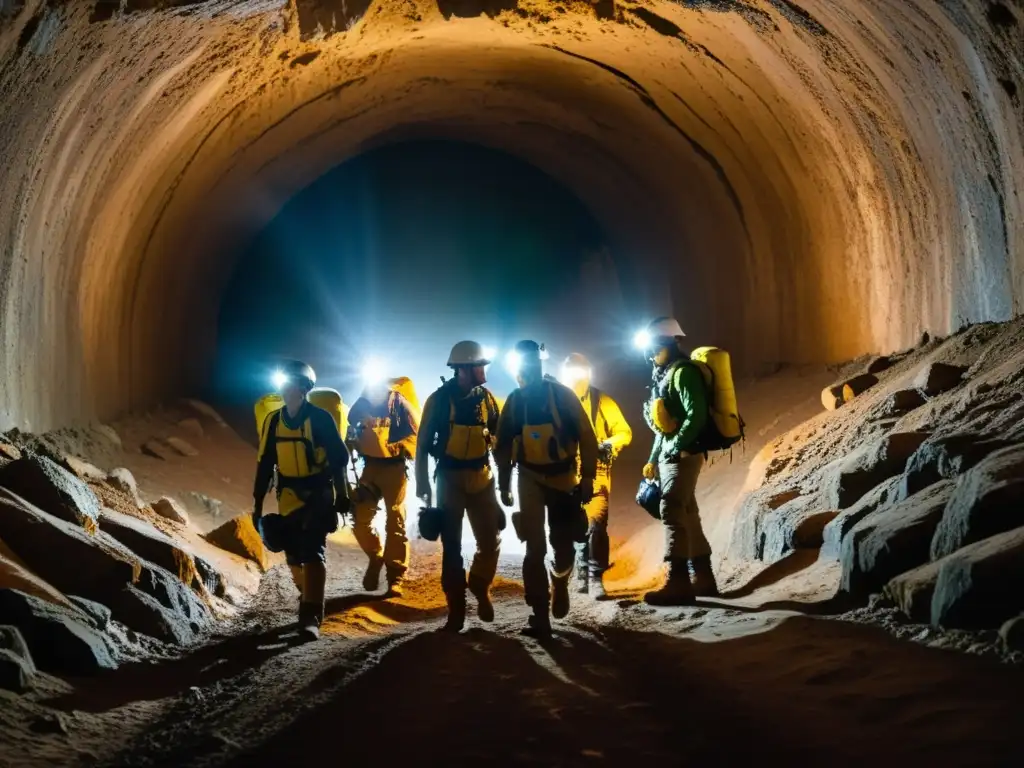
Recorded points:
484,606
597,587
702,577
559,596
538,627
371,579
456,619
395,589
677,589
310,618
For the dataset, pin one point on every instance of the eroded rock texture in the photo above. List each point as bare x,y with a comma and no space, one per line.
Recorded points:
818,179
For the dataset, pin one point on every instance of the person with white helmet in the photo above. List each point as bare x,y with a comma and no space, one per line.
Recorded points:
613,434
677,412
303,445
459,420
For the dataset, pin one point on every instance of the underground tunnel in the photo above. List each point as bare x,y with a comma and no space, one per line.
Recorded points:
830,192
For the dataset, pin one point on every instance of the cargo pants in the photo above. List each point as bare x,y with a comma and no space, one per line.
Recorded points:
595,552
388,479
468,493
684,535
535,498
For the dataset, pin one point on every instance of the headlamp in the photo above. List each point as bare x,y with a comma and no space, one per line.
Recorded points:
373,371
573,373
642,340
278,379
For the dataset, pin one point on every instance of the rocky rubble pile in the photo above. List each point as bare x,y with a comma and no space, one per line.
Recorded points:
913,479
91,575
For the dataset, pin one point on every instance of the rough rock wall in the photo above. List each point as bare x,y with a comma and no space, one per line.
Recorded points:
817,178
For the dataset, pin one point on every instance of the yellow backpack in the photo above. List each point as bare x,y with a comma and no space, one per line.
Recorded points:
725,427
322,397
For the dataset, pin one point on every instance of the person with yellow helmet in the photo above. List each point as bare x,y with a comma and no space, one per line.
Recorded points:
303,445
544,432
677,412
458,422
613,434
382,430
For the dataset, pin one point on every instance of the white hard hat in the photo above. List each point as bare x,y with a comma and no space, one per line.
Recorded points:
665,327
468,353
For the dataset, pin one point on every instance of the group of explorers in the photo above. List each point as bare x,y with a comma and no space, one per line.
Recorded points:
561,437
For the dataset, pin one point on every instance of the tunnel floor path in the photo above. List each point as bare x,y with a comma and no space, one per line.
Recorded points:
621,683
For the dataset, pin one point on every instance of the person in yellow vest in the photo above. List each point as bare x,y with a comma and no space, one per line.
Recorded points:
613,434
382,430
302,443
544,432
677,413
459,420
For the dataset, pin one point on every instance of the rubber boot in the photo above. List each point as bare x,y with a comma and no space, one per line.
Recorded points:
312,613
371,579
560,595
677,589
482,593
702,577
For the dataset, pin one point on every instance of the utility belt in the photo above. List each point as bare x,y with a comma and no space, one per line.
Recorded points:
304,487
552,468
447,462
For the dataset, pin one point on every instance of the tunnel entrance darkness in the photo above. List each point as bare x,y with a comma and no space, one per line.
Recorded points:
402,251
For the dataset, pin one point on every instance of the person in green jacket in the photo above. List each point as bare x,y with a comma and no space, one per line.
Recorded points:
677,412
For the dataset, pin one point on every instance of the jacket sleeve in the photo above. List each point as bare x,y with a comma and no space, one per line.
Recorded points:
405,444
619,433
693,405
580,422
503,444
326,435
422,463
655,449
265,461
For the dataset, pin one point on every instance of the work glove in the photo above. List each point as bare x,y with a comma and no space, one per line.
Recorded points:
342,504
506,497
586,490
650,471
606,452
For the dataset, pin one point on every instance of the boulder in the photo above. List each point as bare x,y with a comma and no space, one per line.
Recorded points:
84,470
60,640
836,530
182,447
892,540
902,402
240,537
99,614
17,669
779,527
192,427
810,532
989,499
157,449
123,481
847,480
945,458
170,509
14,575
981,585
45,484
832,397
937,378
73,561
170,617
15,673
1012,634
206,410
158,548
857,385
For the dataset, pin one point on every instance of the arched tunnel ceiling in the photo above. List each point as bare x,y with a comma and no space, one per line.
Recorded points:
799,181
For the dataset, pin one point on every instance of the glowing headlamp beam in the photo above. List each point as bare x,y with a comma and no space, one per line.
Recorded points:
373,371
278,379
573,373
642,339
